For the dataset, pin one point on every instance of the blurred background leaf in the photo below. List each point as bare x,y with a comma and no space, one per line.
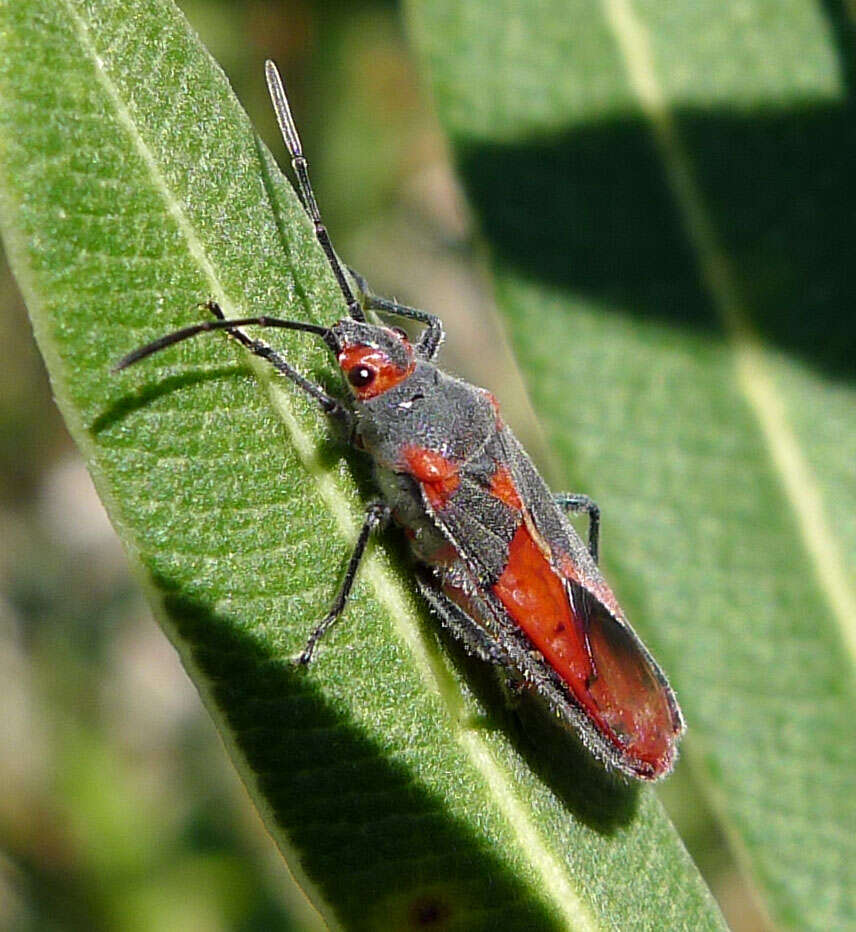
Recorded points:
667,194
69,612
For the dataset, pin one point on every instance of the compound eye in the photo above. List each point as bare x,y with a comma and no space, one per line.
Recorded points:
361,375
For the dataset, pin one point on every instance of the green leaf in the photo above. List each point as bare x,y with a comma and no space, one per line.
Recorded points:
667,192
397,784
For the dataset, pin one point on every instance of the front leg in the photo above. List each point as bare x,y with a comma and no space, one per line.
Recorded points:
433,334
582,503
330,405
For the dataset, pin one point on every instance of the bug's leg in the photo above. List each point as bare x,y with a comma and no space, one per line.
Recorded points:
376,514
432,335
307,195
475,639
362,284
582,503
330,405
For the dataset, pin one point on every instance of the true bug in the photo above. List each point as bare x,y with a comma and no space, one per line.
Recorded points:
498,561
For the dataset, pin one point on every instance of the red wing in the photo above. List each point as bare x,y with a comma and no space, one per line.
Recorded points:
517,544
605,666
551,578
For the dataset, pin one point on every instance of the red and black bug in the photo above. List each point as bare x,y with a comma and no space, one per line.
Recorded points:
498,561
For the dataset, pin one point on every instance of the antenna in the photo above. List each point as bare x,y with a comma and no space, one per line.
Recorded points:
307,195
177,336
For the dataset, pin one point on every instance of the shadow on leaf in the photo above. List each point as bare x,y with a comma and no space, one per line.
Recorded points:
141,398
338,794
590,211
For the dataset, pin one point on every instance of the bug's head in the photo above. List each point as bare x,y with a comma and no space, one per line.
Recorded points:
372,359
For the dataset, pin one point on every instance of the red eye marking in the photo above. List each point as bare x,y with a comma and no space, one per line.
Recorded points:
502,487
386,374
438,475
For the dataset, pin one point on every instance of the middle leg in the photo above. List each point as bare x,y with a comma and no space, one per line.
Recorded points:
577,504
376,514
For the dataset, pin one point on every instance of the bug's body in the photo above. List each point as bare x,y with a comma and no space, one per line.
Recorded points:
501,564
508,572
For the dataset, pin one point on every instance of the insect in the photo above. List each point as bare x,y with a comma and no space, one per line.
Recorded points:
497,559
